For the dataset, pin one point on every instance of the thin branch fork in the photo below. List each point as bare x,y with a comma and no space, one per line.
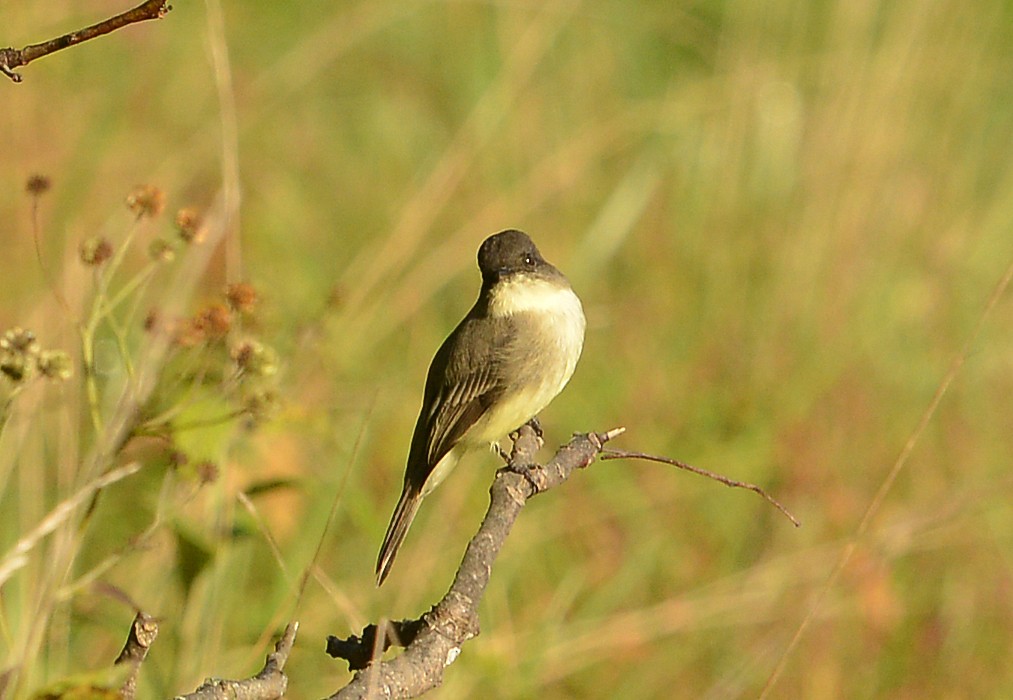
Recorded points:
434,641
270,684
11,58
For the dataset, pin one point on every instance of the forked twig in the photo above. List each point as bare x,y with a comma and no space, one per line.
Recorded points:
270,684
432,642
624,454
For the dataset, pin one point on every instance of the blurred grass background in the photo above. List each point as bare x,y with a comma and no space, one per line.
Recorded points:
784,219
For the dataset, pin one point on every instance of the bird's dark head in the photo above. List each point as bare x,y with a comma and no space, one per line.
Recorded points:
512,253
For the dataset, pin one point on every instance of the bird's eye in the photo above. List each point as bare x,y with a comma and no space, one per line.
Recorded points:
529,259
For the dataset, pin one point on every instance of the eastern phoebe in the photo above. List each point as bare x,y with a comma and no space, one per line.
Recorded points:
510,356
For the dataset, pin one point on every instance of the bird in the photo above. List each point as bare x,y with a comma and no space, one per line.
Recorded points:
506,360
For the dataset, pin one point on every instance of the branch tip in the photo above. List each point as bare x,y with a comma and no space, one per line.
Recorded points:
434,640
614,433
731,483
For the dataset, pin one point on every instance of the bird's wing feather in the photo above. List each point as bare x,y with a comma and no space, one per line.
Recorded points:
459,409
458,397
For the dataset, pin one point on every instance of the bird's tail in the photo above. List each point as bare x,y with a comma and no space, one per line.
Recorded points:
404,513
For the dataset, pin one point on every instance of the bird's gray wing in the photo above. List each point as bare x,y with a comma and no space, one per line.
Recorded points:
462,405
457,398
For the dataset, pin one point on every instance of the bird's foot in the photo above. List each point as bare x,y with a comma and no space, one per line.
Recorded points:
536,425
503,454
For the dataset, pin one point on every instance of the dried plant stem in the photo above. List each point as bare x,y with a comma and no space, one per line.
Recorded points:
47,275
101,308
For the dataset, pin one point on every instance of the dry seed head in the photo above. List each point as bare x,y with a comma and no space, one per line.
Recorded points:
207,472
19,351
255,358
38,184
214,321
19,341
55,364
189,225
260,405
242,297
152,321
146,201
95,250
186,333
16,367
161,250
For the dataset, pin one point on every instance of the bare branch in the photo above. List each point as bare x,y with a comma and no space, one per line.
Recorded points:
434,641
623,454
269,684
11,58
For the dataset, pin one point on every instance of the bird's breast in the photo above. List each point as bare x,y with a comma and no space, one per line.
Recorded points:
547,336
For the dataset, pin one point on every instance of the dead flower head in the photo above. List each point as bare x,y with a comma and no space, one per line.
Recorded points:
19,352
190,226
242,297
38,184
146,201
55,364
161,250
255,358
214,321
95,250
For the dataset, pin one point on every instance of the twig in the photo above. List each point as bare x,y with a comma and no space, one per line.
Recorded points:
142,634
623,454
269,684
434,641
11,58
